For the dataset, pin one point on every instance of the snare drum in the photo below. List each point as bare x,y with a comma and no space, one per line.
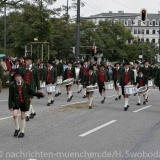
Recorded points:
42,84
108,85
91,88
68,81
59,80
50,88
129,89
150,83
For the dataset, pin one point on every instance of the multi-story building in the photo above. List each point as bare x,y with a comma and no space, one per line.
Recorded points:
142,31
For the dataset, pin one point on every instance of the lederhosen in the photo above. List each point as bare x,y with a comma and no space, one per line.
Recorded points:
115,76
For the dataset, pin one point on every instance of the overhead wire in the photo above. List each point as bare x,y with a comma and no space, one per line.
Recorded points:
94,4
92,7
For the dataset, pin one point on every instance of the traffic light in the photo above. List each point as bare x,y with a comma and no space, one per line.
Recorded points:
96,49
143,14
73,50
93,50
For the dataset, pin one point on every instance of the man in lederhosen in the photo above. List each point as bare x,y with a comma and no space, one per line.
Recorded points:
102,76
157,78
1,77
83,71
51,78
69,73
31,76
116,72
59,66
19,92
90,79
136,71
42,71
148,72
141,80
126,77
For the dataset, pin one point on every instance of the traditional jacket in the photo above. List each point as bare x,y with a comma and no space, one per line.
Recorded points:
147,72
51,76
33,77
157,78
154,71
1,72
69,73
89,79
83,71
41,73
130,77
116,73
103,76
59,68
14,99
142,81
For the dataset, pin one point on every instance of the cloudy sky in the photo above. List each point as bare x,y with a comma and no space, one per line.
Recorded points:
93,7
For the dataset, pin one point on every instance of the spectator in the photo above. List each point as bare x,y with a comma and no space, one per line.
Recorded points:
1,77
3,64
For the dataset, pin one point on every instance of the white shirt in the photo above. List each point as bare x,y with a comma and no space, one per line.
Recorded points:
49,68
29,67
17,66
19,83
126,70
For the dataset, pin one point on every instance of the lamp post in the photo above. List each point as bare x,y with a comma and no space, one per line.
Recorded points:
5,28
143,46
151,51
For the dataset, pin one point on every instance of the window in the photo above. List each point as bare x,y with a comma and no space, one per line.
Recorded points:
153,32
129,22
138,39
147,40
139,31
147,23
153,40
142,39
147,31
116,21
135,31
154,23
122,21
139,22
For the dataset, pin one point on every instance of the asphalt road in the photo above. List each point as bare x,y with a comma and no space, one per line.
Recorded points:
66,132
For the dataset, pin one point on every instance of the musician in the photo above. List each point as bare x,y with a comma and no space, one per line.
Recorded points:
31,76
126,77
148,72
102,76
83,71
69,73
51,78
116,72
19,92
157,78
77,71
90,79
59,66
136,71
141,80
42,71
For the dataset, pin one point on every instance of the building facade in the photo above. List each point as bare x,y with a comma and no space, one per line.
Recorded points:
147,31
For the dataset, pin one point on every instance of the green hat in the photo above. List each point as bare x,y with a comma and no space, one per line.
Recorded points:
50,61
17,72
101,64
28,57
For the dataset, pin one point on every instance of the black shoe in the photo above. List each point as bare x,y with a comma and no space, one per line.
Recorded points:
135,94
59,94
16,133
48,104
90,107
116,98
56,95
38,97
138,104
84,96
119,97
103,100
71,97
144,102
31,115
126,108
52,101
27,118
68,100
80,91
21,135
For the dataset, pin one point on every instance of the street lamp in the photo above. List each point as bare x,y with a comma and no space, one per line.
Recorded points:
143,46
151,50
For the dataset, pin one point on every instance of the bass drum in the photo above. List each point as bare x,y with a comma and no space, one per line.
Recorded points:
68,81
91,88
142,90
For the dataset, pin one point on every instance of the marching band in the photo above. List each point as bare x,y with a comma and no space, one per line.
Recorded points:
131,80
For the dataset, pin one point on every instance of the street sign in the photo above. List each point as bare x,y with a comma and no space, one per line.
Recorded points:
158,57
140,56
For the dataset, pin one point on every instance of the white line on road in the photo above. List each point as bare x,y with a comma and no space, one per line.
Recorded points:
3,100
97,128
142,109
7,117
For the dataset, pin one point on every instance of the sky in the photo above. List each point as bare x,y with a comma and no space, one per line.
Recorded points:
93,7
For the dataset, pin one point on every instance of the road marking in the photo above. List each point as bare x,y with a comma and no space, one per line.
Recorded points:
97,128
74,103
7,117
3,100
142,108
